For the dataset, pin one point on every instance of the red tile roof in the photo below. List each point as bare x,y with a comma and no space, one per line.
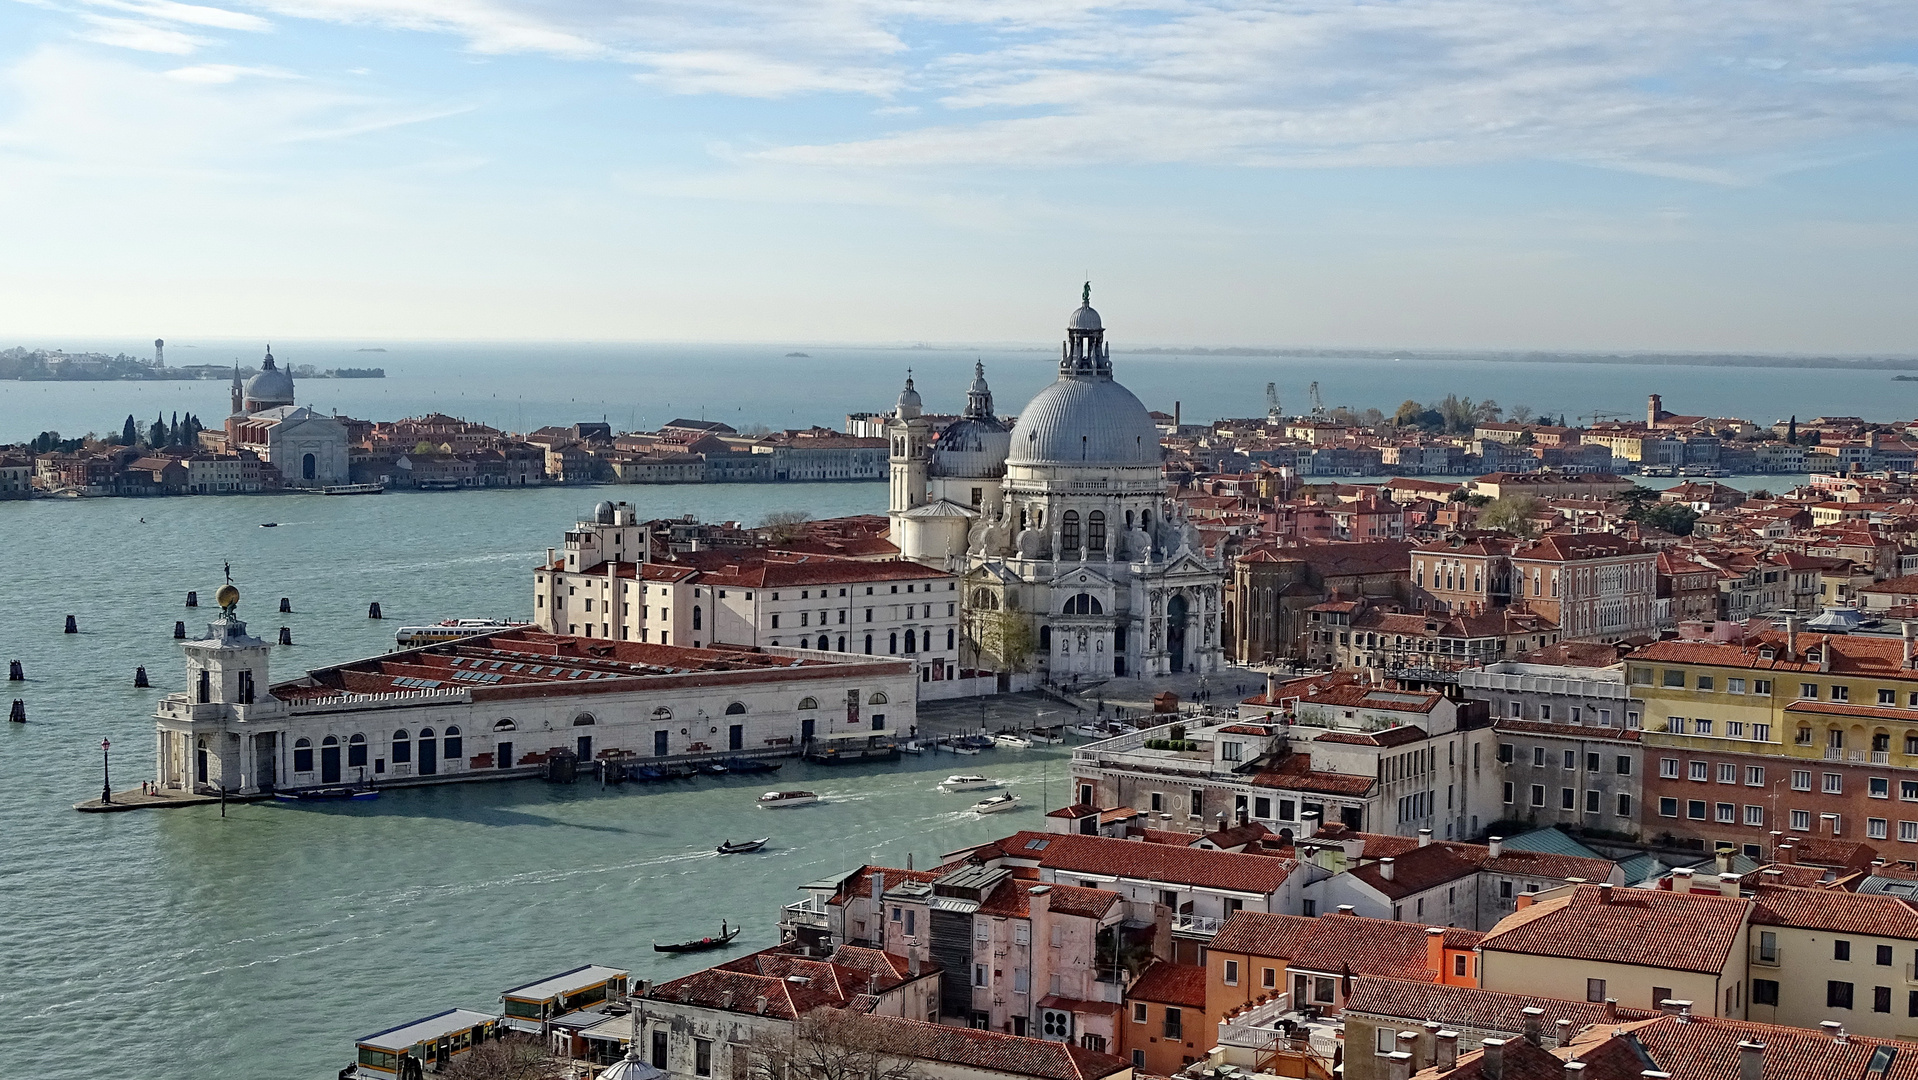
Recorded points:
1171,984
1839,912
991,1051
1099,855
1639,927
739,984
1707,1048
1331,942
1482,1010
1295,773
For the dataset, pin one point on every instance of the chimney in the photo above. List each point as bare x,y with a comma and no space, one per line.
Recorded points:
1791,637
1435,950
1354,849
1728,885
1785,855
1605,892
1905,628
1836,1030
1681,879
1611,1010
1675,1007
1524,901
1347,909
912,963
1272,687
1724,860
1408,1044
1494,846
1564,1033
1751,1058
1396,1065
551,554
1221,823
1427,1051
1309,824
1574,1070
1532,1013
1425,838
1492,1066
1245,816
1824,653
1447,1050
1385,868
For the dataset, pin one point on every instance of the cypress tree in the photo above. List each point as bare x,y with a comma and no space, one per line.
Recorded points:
129,432
1791,430
156,435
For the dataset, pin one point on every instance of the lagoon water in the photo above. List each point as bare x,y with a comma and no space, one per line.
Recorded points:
261,944
521,387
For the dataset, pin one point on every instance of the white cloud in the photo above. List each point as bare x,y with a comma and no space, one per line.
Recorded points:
139,35
215,74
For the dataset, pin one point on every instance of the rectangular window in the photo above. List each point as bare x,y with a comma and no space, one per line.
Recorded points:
1538,794
1700,771
1705,682
1505,752
1624,765
1884,956
1508,791
1908,832
1734,729
1761,686
1591,762
1591,801
1727,774
1695,809
1888,697
1675,678
1268,978
1594,989
1734,686
1668,768
1761,732
1879,787
1837,995
1138,1012
1801,820
1568,760
1675,725
1667,807
1908,790
1877,828
1801,779
1841,693
1808,691
1754,776
1727,813
702,1057
1881,999
1232,973
1175,1025
1567,799
1702,726
1765,992
1755,815
1538,756
1834,783
1624,806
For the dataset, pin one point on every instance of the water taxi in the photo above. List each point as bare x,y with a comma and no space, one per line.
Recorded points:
1013,740
355,489
996,804
967,782
410,637
779,800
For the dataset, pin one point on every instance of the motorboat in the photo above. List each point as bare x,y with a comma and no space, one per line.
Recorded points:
911,746
996,804
967,782
780,800
355,489
1051,736
408,637
744,846
971,744
726,935
750,765
1013,740
269,524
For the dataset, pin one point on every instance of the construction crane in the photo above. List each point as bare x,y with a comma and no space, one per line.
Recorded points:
1272,414
1595,417
1318,404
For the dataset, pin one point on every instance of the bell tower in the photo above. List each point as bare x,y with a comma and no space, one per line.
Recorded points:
909,435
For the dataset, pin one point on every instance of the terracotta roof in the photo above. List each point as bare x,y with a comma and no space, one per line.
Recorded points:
1085,903
1640,927
1573,731
990,1051
1484,1010
1067,853
739,984
1415,871
1295,773
1329,943
1173,984
1849,655
1840,912
1572,547
1706,1048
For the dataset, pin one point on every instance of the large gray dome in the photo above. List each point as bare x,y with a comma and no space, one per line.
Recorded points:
272,386
1080,420
971,447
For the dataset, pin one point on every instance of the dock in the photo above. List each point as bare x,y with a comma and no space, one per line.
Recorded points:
132,799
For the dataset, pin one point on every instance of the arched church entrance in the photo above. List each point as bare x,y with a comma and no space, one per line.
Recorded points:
1176,613
309,465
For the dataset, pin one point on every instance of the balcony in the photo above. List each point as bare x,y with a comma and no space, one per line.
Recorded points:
809,913
1203,925
1834,753
1768,956
1881,757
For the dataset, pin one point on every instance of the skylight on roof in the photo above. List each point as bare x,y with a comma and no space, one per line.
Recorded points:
1037,845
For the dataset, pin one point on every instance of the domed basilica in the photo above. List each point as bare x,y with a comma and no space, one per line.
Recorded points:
1075,562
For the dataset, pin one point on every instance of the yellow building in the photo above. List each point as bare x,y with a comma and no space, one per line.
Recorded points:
1826,954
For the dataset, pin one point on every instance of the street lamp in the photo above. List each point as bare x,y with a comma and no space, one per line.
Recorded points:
106,781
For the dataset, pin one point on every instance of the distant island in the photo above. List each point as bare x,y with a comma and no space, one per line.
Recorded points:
55,365
798,355
370,350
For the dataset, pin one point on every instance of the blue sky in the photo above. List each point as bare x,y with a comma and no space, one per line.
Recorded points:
1686,175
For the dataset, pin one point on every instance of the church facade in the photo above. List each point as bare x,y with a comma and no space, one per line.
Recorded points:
1074,560
309,448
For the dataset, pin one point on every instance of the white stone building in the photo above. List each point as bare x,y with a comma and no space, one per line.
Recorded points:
500,705
308,448
1074,561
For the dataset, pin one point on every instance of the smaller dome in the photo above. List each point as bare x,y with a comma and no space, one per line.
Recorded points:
272,386
603,513
909,404
631,1067
1085,319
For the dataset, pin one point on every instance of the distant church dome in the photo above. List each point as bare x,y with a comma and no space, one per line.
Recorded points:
975,445
1085,418
270,389
909,404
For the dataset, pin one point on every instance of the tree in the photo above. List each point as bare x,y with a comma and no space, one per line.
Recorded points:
1674,518
1791,430
173,430
1635,499
129,432
1512,514
830,1044
508,1058
1412,414
157,434
1004,638
782,526
1521,414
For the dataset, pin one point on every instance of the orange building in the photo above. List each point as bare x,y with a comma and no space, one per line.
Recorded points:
1166,1024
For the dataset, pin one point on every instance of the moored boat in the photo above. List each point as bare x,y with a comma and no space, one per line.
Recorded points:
967,782
726,935
409,637
750,765
324,794
996,804
355,489
779,800
744,846
1013,740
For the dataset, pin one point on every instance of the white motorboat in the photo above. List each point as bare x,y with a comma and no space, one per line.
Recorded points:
1013,741
911,746
412,637
779,800
996,804
967,782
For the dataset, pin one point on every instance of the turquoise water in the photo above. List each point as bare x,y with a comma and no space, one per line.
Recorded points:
262,944
521,387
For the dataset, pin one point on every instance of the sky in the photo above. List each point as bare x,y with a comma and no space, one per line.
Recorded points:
1678,175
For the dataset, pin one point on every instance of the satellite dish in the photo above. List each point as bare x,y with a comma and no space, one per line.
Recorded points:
228,597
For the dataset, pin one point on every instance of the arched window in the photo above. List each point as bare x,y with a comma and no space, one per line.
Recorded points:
584,719
696,616
402,747
949,637
662,713
878,698
842,643
1084,604
356,752
912,642
1881,741
452,747
1145,520
868,644
1128,520
892,647
505,725
737,708
303,755
983,600
1096,531
823,643
808,703
329,741
1069,532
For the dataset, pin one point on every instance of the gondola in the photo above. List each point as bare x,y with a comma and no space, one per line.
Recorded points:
701,944
324,793
730,848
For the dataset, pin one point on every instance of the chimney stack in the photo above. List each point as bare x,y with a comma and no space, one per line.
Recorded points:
1604,892
1347,909
1564,1033
1532,1014
1751,1057
1425,838
1791,637
1435,950
1385,868
1494,847
1408,1044
1785,855
1447,1050
1574,1070
912,963
1681,879
1492,1065
1397,1065
1728,885
1724,859
1835,1029
1427,1052
1611,1010
1905,628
